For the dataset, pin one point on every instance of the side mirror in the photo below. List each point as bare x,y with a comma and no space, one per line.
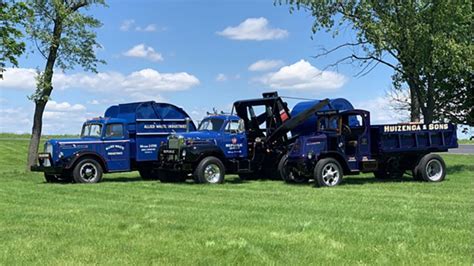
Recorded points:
188,122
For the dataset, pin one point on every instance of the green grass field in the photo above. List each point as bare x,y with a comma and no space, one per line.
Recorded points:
124,220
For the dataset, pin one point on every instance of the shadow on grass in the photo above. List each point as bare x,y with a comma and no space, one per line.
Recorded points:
124,179
348,180
453,169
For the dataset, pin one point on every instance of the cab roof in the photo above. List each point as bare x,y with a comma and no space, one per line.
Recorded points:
107,120
223,117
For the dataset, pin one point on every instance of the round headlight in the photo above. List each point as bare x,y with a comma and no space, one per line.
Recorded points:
183,153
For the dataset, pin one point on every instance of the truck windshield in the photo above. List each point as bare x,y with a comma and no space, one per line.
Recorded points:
91,130
211,124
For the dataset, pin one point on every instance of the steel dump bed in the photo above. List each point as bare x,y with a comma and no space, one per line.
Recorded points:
398,138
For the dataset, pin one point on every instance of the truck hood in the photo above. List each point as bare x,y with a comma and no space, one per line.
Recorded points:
200,135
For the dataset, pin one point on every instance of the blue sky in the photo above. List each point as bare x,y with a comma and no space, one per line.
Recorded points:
198,55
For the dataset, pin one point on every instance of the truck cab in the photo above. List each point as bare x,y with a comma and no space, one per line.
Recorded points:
345,143
104,145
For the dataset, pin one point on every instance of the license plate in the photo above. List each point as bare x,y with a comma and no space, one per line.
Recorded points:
43,155
169,151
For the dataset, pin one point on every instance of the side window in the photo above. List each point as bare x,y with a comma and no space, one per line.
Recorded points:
114,130
355,121
233,126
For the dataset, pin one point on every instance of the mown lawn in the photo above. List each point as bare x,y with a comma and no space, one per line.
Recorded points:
124,220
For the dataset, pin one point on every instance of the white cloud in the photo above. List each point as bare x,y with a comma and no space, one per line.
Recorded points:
221,77
382,111
143,51
93,102
14,120
127,24
147,28
147,82
264,65
303,76
64,106
256,29
19,78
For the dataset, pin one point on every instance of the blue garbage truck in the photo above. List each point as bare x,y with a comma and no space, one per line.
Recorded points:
127,138
250,142
345,143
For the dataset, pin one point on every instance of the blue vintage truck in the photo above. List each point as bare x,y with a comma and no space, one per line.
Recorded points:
345,143
250,143
127,138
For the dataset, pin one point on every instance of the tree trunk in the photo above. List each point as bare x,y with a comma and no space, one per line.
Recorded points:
44,91
36,133
414,103
428,107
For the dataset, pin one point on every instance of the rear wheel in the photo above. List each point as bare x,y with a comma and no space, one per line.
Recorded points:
210,171
87,170
431,168
328,173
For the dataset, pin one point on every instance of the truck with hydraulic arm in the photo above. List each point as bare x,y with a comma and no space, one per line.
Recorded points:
249,143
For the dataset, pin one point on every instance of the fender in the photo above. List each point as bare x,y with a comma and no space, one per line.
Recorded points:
339,157
81,154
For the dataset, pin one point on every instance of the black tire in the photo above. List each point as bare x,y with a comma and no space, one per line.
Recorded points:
215,171
60,178
87,170
170,177
323,177
431,168
148,174
287,175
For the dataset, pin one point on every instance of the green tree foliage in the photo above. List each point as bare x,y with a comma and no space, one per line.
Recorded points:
65,37
12,18
428,44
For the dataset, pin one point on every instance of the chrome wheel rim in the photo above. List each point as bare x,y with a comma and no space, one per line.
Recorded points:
434,170
212,173
330,174
88,171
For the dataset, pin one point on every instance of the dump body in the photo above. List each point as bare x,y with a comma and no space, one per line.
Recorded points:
127,138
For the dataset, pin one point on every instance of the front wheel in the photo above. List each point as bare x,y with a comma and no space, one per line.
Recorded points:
210,171
287,175
328,173
87,170
431,168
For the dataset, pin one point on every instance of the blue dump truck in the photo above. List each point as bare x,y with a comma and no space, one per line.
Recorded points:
345,143
250,143
127,138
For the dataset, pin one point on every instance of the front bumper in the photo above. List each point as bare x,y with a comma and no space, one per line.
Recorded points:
45,165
